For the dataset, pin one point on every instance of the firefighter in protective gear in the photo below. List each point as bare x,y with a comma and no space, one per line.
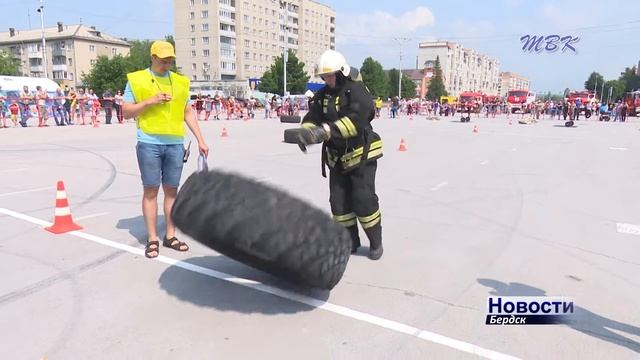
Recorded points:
339,117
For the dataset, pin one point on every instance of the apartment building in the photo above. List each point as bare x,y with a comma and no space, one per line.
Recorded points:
512,81
220,41
462,69
71,50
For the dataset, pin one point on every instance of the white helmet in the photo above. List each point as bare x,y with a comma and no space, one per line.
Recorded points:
332,61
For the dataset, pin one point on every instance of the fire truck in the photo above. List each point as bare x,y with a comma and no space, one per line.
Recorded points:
470,99
587,97
632,99
519,99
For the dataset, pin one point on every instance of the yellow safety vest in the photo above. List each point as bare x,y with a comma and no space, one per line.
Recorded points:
160,119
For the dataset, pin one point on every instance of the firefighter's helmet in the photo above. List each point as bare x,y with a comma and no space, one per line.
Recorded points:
332,61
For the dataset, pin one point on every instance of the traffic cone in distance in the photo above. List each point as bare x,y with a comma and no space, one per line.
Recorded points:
224,132
402,146
63,222
475,128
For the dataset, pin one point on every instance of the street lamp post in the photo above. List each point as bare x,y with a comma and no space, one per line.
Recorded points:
400,40
44,43
285,52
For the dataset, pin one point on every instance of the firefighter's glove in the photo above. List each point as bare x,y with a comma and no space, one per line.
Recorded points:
313,135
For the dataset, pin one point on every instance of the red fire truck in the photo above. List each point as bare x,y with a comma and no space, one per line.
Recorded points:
520,99
470,99
632,99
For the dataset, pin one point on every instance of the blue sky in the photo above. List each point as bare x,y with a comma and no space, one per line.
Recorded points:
608,30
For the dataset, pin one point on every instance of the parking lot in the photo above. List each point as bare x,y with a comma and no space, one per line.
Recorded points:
509,209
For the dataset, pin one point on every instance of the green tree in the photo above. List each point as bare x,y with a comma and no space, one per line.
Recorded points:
9,65
139,54
408,86
374,78
272,80
593,80
630,79
617,90
107,74
436,85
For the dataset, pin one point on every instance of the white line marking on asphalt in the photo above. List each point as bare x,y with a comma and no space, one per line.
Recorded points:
12,170
484,163
439,186
628,228
285,294
27,191
91,216
618,148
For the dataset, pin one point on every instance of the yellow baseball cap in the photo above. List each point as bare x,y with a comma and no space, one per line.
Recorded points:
162,49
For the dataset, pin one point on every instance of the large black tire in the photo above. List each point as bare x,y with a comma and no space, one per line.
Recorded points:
569,123
263,227
291,136
290,119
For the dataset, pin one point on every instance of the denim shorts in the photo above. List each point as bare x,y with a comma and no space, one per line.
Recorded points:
160,164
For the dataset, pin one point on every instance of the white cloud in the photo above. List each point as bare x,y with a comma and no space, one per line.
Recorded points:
381,26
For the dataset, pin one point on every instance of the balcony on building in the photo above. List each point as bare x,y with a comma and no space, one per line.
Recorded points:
35,54
228,20
58,52
59,67
36,68
228,33
228,5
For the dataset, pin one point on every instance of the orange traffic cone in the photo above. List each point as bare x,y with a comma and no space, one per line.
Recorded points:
63,222
224,132
402,146
475,128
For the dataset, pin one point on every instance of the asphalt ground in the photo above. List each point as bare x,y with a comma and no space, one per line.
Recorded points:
513,210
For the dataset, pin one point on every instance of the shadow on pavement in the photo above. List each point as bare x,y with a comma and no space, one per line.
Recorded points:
138,229
207,291
584,320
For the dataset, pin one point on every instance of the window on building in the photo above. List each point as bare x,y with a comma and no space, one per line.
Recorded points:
247,43
205,27
93,62
192,15
114,51
193,53
207,77
192,2
192,41
70,61
246,55
192,28
204,14
92,48
70,76
194,77
205,40
205,52
194,66
204,2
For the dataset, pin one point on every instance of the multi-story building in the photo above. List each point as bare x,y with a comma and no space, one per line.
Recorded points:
512,81
71,50
232,41
462,69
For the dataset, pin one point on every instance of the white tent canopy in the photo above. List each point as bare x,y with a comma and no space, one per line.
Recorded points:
15,83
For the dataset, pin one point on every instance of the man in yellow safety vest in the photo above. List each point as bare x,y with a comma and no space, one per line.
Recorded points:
159,100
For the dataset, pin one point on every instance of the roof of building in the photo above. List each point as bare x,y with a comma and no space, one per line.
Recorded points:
413,74
79,31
